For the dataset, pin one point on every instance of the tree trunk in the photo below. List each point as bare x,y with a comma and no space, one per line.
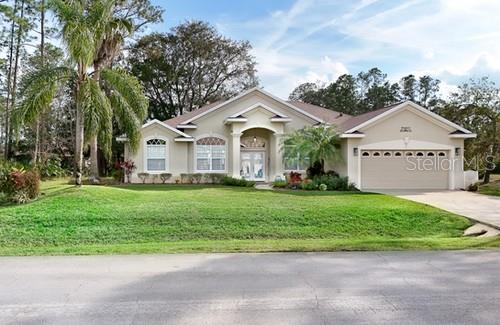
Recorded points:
9,84
94,161
36,152
14,81
79,127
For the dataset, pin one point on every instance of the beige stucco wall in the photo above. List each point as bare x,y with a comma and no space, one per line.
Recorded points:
426,134
177,152
182,154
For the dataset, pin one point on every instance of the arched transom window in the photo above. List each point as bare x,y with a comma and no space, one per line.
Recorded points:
156,155
211,154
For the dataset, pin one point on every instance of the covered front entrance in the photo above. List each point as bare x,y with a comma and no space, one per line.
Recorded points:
253,165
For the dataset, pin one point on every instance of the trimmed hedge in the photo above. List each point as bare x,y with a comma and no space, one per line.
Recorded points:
231,181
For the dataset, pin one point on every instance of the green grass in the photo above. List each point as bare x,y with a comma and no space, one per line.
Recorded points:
182,218
493,188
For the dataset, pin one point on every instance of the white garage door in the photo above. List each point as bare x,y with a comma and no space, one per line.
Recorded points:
391,169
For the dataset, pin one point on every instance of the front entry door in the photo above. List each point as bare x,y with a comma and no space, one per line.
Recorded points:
253,165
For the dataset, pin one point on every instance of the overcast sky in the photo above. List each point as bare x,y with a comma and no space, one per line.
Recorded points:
318,40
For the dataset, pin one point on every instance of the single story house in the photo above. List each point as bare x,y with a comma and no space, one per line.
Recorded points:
402,146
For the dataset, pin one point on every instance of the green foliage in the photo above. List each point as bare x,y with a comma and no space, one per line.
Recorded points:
213,178
165,177
231,181
197,177
280,184
322,187
186,178
368,91
51,168
319,143
190,66
143,177
19,186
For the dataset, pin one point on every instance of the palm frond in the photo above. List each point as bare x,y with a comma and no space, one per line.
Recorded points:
38,90
96,108
128,102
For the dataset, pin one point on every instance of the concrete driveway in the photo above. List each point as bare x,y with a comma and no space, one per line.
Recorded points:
483,208
444,287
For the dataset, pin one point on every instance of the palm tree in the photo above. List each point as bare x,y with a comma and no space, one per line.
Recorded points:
84,27
319,143
116,30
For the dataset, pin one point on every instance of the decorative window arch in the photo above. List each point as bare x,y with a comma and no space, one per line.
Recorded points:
156,154
253,142
387,154
442,154
409,154
365,154
210,154
376,154
397,154
420,154
430,154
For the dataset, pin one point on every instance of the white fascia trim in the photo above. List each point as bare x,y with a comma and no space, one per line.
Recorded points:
466,136
416,106
235,120
184,139
186,126
267,108
352,135
248,92
280,119
155,121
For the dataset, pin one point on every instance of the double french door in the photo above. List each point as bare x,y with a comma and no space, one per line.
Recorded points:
253,166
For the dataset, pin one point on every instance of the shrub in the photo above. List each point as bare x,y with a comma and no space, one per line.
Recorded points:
20,186
118,174
280,184
186,178
473,187
52,168
143,177
196,178
322,187
165,177
128,168
154,177
308,185
231,181
314,170
214,178
294,178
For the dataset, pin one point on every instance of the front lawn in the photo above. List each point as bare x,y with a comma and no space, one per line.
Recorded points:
493,188
181,218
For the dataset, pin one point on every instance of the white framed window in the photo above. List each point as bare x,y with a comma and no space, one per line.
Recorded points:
210,154
156,155
376,154
387,154
397,154
420,154
295,163
430,154
365,154
409,154
442,154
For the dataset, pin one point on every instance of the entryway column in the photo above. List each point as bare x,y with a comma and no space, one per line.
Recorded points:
278,157
236,154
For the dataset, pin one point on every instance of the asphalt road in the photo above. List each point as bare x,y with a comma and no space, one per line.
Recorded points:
325,288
